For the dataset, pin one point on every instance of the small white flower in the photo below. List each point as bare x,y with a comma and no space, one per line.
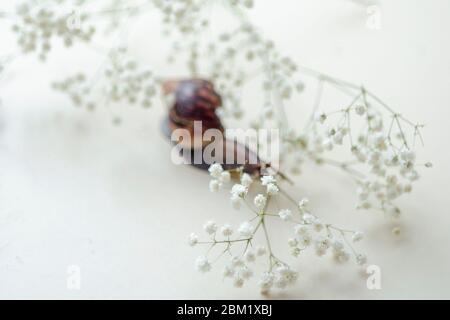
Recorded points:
361,259
327,144
292,242
305,240
239,190
300,229
202,264
357,236
250,255
284,277
237,262
210,227
272,189
246,180
245,273
407,188
260,251
337,245
362,193
296,252
236,201
260,201
323,243
285,214
321,117
360,110
228,271
342,256
246,229
308,218
193,239
407,155
214,185
238,282
265,180
318,225
227,230
303,204
393,212
338,138
266,281
215,170
225,177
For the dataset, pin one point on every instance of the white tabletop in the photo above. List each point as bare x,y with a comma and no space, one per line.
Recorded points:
77,191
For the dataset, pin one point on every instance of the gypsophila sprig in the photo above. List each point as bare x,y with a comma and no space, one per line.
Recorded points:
240,250
37,25
359,134
122,81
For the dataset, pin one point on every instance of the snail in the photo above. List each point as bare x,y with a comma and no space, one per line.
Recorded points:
196,100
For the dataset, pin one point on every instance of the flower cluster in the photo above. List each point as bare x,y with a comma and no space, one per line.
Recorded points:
384,161
382,155
380,144
241,248
36,25
123,81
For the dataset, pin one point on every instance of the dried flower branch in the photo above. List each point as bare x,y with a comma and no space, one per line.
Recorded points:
380,144
242,250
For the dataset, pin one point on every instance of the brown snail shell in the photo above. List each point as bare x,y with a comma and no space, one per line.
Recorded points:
196,100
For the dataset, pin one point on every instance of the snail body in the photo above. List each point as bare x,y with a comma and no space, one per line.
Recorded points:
195,103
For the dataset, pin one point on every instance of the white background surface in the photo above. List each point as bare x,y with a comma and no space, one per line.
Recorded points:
75,190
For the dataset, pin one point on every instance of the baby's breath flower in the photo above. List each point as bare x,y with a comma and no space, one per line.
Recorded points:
308,218
304,240
260,251
321,117
265,180
239,190
285,214
360,110
292,242
238,282
202,264
300,229
361,259
225,177
214,185
215,170
393,211
357,236
250,255
210,227
260,201
245,273
193,239
318,226
266,281
228,271
322,243
285,277
337,245
272,189
246,180
327,144
246,229
342,256
226,230
303,204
